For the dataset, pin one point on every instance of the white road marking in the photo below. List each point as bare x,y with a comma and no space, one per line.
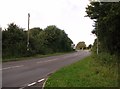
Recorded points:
21,87
32,84
47,61
41,80
11,67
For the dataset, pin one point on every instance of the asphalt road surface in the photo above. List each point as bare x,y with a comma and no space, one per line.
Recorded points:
24,73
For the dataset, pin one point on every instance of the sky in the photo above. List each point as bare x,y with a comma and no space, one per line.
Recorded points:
67,15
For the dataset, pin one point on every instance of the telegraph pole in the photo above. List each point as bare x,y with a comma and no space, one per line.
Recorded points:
28,32
97,46
97,39
97,33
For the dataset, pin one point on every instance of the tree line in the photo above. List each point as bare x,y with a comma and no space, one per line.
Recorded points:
41,41
106,16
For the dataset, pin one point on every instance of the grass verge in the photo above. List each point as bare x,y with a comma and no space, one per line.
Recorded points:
31,57
85,73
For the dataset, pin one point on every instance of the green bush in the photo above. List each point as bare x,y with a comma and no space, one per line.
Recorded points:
106,58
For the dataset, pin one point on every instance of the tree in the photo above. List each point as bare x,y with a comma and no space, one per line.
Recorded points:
89,46
107,19
35,43
13,41
35,31
57,40
81,45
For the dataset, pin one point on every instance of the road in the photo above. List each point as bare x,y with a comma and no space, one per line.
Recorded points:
26,72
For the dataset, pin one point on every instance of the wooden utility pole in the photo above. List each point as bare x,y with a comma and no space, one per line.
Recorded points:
97,41
28,32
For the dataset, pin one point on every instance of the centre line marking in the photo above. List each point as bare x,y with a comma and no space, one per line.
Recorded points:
11,67
47,61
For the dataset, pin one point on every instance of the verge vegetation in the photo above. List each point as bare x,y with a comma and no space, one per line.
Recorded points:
85,73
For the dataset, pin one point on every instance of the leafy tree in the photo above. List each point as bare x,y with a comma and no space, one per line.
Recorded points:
35,31
35,44
57,40
13,41
89,46
107,19
81,45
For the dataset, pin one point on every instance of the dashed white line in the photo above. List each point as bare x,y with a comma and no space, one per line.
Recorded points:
12,67
21,87
5,68
47,61
41,80
32,84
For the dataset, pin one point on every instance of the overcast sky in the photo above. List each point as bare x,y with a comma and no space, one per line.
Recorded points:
67,15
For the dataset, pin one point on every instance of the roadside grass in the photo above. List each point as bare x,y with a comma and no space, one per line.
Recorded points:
31,57
85,73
